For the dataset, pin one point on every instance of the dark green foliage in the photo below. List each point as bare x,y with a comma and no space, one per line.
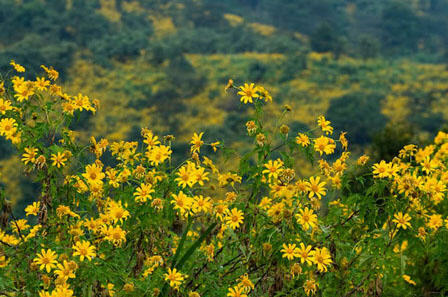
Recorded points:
389,141
50,32
6,149
182,74
368,47
326,39
401,28
257,71
232,130
359,114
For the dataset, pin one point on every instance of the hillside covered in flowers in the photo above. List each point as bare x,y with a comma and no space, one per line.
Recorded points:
223,148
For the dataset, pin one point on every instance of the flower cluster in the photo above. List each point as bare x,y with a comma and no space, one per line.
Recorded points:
118,218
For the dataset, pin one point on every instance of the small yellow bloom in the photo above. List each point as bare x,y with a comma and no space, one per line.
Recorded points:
322,258
408,279
46,259
302,139
32,209
84,249
196,142
58,159
174,277
290,251
234,218
402,220
248,92
17,67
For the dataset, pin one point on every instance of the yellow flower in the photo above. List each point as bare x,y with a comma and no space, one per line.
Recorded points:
44,294
199,175
19,225
84,249
265,203
234,218
94,174
248,92
58,159
46,260
117,212
246,283
110,289
303,253
98,148
362,160
30,155
264,93
17,67
158,154
408,279
290,251
322,258
325,125
41,161
51,72
5,105
128,287
116,235
82,102
402,220
315,187
201,204
214,145
65,271
174,277
32,209
251,127
8,127
310,286
325,145
236,292
435,221
41,83
143,193
273,168
307,218
295,270
62,291
196,142
185,176
381,169
68,107
24,91
182,202
302,139
343,140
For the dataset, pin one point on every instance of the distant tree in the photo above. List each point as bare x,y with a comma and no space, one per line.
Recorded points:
389,141
368,47
359,114
400,28
292,66
256,71
326,39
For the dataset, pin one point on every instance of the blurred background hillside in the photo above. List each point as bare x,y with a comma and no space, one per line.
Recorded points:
376,69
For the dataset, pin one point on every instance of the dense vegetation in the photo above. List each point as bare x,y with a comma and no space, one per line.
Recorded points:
164,64
179,148
124,218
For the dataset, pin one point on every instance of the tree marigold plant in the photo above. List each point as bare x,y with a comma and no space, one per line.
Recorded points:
121,218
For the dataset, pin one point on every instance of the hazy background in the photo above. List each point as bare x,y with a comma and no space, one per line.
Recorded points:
376,69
